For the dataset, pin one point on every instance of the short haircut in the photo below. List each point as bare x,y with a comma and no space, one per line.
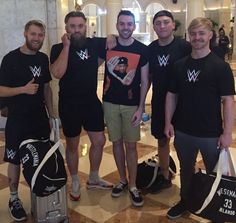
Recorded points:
38,23
163,13
200,21
74,14
126,12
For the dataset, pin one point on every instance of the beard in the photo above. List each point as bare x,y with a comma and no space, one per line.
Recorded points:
32,47
78,41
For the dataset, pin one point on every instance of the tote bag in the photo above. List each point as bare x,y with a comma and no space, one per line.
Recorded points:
213,196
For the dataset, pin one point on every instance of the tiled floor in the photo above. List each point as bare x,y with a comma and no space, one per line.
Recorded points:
99,206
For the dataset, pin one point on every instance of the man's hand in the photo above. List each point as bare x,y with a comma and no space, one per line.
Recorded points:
111,42
30,87
225,141
66,39
169,131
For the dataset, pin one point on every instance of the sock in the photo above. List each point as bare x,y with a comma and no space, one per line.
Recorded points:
132,188
13,195
93,176
75,183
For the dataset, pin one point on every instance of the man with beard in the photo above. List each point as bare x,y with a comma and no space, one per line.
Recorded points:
75,63
163,52
201,83
24,82
124,101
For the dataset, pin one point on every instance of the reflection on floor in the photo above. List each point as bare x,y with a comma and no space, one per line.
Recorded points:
98,206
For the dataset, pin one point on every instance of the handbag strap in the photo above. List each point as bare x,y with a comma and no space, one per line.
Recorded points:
216,183
46,157
154,163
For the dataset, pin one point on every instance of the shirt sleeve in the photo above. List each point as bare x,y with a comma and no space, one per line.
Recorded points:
226,81
47,75
5,71
100,46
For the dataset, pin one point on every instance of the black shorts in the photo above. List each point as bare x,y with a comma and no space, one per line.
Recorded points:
74,116
158,118
19,129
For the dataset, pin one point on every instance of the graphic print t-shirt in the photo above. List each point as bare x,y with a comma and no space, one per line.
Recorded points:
123,73
17,69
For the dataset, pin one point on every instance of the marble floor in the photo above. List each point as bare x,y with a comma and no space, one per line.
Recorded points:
97,206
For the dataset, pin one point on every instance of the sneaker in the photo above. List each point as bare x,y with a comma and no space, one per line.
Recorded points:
16,209
177,211
161,184
75,191
101,184
119,189
74,195
136,198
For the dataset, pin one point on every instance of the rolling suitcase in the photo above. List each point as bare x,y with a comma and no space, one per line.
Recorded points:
50,209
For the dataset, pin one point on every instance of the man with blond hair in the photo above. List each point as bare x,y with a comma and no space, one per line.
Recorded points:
200,84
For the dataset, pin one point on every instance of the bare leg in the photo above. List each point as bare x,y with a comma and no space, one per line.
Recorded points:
95,154
163,153
131,159
72,156
119,155
13,176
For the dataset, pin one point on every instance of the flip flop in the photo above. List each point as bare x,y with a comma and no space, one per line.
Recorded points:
101,184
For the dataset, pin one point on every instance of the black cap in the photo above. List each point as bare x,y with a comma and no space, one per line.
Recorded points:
123,60
163,13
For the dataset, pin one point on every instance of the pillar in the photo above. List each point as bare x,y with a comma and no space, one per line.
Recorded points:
194,8
142,22
113,8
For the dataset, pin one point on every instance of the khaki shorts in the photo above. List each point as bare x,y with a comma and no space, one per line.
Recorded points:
118,121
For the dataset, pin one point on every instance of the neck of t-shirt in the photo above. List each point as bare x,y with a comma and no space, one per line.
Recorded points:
125,42
25,50
197,54
166,41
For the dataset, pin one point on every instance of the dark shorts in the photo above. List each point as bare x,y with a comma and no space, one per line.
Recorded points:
74,116
19,129
158,119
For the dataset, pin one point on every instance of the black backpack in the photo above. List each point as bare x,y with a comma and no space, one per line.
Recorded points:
148,172
43,166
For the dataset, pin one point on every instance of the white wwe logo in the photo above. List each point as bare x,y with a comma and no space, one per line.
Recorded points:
163,61
35,71
193,75
10,154
83,54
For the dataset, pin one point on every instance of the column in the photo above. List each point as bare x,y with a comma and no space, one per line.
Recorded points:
194,8
142,22
71,5
224,18
103,25
53,37
113,8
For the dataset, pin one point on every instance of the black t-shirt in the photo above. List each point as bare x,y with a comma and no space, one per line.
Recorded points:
79,83
17,69
161,60
114,89
199,84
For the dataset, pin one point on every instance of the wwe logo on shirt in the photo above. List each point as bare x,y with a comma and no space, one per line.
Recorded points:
163,61
36,71
83,54
10,154
193,75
